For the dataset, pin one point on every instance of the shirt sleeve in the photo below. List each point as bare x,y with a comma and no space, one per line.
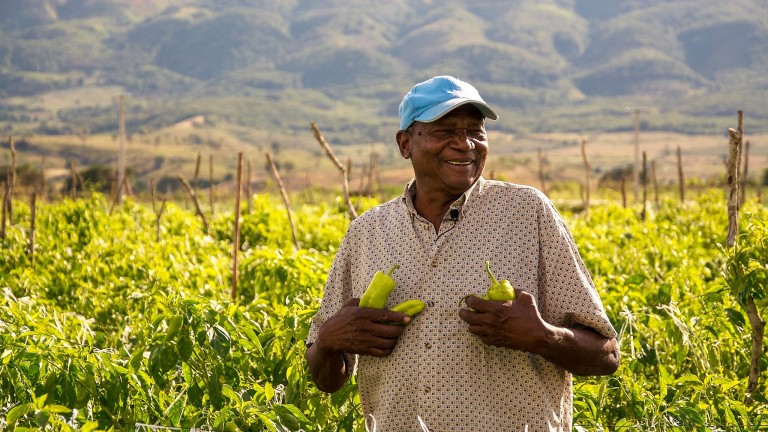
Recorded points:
338,290
567,294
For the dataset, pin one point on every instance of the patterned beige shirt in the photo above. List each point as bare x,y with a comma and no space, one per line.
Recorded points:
438,370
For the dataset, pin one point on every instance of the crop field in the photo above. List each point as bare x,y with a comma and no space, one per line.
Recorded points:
107,323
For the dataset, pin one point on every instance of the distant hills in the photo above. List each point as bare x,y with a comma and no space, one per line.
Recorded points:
567,65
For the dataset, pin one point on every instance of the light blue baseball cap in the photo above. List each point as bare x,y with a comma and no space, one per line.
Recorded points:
429,100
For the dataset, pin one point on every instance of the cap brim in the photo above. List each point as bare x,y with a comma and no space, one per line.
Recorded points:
437,111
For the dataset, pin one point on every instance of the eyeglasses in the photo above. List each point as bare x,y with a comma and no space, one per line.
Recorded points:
440,135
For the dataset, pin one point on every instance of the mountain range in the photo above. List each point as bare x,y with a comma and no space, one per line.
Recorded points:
547,65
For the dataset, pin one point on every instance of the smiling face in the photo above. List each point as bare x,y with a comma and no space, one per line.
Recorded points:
448,155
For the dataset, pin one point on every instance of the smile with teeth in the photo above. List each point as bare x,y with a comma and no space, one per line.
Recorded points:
459,162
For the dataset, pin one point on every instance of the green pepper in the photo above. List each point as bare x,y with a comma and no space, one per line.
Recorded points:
409,307
377,293
499,290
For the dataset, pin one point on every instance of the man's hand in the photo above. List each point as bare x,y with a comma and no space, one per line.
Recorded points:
517,324
359,330
352,330
512,324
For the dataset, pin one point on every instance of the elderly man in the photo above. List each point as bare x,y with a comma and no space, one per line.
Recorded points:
486,366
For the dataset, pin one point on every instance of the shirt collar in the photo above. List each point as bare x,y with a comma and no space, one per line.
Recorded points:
410,191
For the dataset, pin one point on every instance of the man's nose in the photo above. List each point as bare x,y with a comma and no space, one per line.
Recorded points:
462,139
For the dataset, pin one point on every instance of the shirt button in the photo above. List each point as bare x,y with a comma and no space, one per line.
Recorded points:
431,303
427,389
428,345
435,263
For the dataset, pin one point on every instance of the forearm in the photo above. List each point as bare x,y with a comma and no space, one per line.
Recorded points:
328,368
581,351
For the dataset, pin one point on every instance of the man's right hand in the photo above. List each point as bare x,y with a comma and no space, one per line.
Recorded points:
361,330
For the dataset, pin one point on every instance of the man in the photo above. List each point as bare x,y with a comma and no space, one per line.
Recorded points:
487,366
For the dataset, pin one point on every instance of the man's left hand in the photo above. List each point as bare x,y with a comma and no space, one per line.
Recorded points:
514,324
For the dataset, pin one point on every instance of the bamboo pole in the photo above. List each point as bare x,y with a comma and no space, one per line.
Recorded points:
284,193
587,176
541,172
193,195
345,180
680,176
236,235
31,247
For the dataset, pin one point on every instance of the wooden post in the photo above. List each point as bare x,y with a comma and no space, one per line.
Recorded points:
158,214
43,186
4,220
644,183
636,167
210,182
236,235
121,151
655,183
284,193
248,182
345,180
11,180
193,195
73,180
624,192
734,159
31,247
541,172
196,180
743,176
680,177
587,176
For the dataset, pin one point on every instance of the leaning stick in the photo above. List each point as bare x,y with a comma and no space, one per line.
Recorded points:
283,192
655,183
335,160
734,157
193,195
11,180
680,177
746,170
644,181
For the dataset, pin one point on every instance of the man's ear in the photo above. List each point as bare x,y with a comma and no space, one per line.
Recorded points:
404,143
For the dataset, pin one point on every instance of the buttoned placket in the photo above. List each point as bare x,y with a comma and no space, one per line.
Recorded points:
433,243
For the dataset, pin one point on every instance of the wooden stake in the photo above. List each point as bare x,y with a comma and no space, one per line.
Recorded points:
636,167
644,182
4,221
248,183
587,176
655,183
743,176
624,192
158,214
73,180
210,183
541,172
11,180
236,235
195,180
43,186
734,152
283,192
345,180
680,176
193,195
31,247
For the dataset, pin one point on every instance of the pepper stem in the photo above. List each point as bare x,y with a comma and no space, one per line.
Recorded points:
488,269
394,267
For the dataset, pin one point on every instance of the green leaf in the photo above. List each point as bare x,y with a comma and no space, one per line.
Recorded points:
17,412
220,340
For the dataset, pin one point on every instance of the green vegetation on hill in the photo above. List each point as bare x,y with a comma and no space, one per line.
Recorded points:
277,65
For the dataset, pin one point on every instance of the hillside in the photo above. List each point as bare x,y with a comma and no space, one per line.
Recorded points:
549,65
